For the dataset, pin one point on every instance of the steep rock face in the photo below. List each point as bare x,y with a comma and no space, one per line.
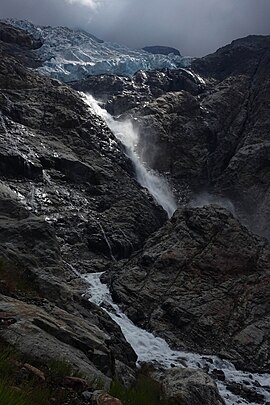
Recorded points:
68,197
42,295
122,93
211,136
202,282
217,141
239,57
11,35
18,43
65,164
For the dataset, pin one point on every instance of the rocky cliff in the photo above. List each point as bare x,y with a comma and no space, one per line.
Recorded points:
68,198
70,204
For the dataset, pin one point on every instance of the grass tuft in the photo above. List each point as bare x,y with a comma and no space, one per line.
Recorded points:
145,392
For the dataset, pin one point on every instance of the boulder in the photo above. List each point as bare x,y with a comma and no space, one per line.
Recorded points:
185,386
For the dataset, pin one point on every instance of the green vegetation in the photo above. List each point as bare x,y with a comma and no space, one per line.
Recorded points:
62,368
19,388
11,395
144,392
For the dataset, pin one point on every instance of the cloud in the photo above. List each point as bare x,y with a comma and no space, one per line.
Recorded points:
195,27
88,3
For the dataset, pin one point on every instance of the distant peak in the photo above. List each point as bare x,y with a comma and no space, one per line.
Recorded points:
161,50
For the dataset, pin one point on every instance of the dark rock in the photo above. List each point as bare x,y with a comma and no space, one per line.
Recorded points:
121,93
216,141
206,285
218,374
60,183
161,50
69,202
248,394
240,57
12,35
56,156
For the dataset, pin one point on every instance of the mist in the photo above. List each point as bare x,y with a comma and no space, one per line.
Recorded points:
195,27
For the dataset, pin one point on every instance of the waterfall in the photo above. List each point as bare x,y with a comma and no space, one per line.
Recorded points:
150,348
125,132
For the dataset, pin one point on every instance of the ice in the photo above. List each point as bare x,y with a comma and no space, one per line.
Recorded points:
72,55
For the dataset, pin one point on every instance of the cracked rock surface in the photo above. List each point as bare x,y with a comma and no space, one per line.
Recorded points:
202,282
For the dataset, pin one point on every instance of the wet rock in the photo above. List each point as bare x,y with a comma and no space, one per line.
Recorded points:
218,374
205,284
216,142
246,393
120,93
63,163
54,153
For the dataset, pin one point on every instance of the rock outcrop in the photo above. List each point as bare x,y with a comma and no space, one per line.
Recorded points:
217,141
188,387
69,203
162,50
202,282
122,93
206,126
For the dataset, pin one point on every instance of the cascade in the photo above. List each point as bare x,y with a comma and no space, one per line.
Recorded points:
150,348
125,132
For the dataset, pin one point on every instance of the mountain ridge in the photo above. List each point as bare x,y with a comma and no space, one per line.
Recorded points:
70,204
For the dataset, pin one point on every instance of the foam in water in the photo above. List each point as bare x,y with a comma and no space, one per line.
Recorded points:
125,132
150,348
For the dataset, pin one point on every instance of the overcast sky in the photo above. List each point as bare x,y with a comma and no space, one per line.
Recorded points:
195,27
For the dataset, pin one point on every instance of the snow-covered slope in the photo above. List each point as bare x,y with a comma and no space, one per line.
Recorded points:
72,55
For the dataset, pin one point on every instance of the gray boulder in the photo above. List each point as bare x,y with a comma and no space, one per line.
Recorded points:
188,387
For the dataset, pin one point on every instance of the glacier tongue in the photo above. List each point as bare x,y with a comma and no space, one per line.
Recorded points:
73,55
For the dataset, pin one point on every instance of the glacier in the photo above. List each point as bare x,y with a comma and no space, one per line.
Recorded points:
70,55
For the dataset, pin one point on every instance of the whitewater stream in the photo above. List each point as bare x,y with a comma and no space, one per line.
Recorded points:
148,347
125,132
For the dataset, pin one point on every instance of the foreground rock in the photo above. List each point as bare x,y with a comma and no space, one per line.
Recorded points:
202,282
42,311
188,387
